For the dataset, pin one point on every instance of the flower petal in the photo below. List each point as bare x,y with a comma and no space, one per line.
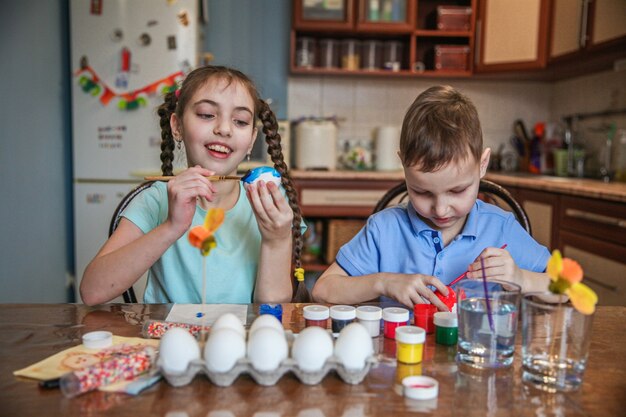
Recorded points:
214,219
583,298
571,272
555,264
197,235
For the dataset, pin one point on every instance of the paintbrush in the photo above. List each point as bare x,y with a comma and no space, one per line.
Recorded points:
210,177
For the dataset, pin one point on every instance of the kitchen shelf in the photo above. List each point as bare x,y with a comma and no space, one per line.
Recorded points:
416,31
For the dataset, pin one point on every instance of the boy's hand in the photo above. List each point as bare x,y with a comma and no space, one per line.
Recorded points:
182,193
271,209
498,265
411,289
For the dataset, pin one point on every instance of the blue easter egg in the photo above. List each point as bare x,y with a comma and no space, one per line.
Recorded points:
264,173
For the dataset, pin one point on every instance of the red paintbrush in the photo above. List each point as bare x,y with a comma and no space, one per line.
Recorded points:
460,277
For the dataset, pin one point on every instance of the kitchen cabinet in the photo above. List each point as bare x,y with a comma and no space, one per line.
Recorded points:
541,208
579,26
511,35
594,233
384,38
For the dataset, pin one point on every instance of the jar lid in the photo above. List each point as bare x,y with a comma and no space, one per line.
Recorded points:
341,312
97,340
315,312
410,334
369,313
446,319
420,387
395,314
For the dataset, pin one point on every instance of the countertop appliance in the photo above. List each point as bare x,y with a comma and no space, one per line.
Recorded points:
124,55
316,145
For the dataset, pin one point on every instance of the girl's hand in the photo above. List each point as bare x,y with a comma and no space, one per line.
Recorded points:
412,289
182,193
272,212
498,265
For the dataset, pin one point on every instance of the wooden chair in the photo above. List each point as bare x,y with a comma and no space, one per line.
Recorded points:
488,191
128,295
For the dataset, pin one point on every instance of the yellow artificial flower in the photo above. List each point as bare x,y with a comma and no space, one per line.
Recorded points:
566,275
202,237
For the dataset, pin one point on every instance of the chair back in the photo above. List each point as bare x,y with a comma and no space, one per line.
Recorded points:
487,191
128,295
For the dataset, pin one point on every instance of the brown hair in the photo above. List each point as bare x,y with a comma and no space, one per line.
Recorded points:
440,126
176,102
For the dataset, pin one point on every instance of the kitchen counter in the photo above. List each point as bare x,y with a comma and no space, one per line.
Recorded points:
589,188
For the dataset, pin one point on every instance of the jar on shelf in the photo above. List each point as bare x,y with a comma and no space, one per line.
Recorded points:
305,52
371,55
392,55
328,53
350,54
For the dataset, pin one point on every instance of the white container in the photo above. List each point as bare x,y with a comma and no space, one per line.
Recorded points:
369,317
387,145
316,145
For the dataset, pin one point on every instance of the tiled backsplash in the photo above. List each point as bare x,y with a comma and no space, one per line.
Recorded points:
365,103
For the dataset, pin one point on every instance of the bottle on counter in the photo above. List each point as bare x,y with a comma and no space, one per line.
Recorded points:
620,162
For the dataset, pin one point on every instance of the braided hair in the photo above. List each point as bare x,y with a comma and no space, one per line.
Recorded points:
175,102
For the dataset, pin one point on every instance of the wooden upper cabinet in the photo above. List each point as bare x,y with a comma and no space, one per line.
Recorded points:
329,15
607,21
579,26
386,16
511,35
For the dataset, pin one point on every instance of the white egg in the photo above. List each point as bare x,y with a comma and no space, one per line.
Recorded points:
312,348
267,348
266,320
223,349
229,321
353,346
176,349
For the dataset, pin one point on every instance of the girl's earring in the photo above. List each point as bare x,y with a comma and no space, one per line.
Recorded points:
248,156
179,144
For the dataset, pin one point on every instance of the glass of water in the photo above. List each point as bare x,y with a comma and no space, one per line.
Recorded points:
555,342
488,315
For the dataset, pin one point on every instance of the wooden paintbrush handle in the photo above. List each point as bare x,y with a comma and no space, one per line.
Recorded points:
211,178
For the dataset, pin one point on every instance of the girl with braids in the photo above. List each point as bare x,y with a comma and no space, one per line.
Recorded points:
213,116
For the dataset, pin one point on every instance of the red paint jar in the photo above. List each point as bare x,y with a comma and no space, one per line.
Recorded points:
394,317
316,315
424,315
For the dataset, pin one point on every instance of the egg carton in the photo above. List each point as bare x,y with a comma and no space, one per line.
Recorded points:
268,378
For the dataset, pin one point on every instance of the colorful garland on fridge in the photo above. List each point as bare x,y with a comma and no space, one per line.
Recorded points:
92,84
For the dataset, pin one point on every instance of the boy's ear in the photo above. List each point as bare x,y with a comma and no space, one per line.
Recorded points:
484,161
176,127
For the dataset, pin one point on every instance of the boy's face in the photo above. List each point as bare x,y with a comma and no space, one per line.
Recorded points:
444,198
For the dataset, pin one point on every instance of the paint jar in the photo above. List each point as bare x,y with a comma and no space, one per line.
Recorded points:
369,316
410,341
446,328
316,315
341,316
423,316
394,317
275,310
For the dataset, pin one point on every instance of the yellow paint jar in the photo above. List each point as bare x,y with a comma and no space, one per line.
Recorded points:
410,344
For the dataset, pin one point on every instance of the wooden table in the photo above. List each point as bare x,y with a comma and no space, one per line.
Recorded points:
33,332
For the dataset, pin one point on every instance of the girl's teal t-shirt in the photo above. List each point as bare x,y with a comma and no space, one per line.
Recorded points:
231,267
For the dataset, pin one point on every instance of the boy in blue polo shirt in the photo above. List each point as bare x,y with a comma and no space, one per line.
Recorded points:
444,229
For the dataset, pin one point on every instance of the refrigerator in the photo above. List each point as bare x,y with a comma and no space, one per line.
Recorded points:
124,55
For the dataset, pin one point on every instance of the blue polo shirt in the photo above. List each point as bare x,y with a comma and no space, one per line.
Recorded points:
397,240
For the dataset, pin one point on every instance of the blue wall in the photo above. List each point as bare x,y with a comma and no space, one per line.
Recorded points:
253,36
36,236
35,156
